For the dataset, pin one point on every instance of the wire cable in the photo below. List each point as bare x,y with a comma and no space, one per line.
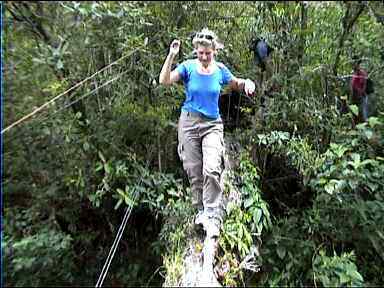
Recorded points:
88,94
112,251
19,133
119,234
63,93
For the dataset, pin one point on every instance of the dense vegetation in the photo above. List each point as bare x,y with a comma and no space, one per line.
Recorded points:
312,184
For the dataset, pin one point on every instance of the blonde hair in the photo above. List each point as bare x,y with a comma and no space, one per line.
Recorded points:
207,38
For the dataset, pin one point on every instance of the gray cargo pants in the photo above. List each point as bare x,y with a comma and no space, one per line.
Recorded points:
201,149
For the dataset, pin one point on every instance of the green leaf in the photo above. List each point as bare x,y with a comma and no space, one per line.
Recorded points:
248,203
344,278
258,213
373,121
118,203
101,156
99,166
107,168
38,60
355,274
330,187
368,133
83,11
281,252
86,146
338,149
59,64
160,198
354,109
121,192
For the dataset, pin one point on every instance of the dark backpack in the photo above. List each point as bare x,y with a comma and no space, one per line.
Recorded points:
370,87
261,50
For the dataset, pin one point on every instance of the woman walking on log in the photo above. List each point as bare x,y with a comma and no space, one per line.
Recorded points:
200,128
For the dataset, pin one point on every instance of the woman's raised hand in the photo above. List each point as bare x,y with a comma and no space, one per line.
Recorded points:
175,47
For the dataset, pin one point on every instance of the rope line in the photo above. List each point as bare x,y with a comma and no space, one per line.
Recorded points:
75,101
119,234
63,93
112,251
89,93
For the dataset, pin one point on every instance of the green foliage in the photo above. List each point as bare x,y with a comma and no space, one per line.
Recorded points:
273,140
235,241
236,236
132,183
336,271
352,168
346,211
173,238
140,124
70,169
299,151
47,253
302,156
244,223
252,201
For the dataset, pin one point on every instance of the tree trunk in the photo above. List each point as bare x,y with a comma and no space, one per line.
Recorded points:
300,52
10,71
348,22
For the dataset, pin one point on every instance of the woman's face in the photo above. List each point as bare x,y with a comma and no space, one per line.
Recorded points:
205,55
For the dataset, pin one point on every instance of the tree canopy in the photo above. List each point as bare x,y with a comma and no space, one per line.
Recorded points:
311,183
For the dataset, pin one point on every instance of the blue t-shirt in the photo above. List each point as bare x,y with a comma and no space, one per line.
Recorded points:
203,91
